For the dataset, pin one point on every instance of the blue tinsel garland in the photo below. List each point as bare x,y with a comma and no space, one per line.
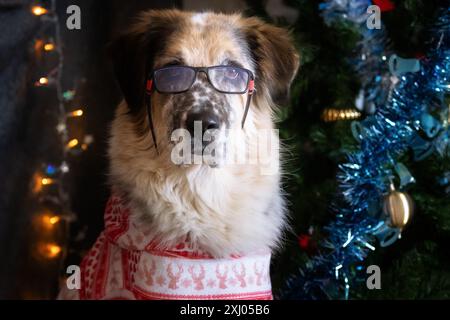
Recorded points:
401,111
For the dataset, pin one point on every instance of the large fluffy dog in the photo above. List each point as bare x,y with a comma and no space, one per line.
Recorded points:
192,230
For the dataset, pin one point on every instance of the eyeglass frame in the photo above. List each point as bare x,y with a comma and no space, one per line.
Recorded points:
205,70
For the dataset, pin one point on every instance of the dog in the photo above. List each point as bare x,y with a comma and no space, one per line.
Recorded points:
192,230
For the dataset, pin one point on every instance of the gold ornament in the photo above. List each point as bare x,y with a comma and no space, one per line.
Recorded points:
399,207
331,115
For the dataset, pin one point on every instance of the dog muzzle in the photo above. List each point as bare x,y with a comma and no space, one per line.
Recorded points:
123,264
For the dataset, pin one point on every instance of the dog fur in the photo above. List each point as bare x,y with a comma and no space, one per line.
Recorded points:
223,210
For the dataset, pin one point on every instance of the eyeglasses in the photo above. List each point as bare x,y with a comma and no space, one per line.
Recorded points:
178,79
225,79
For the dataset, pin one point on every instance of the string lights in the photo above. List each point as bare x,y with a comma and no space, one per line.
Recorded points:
49,188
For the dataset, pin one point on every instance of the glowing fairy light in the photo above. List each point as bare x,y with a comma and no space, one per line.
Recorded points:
75,113
40,182
48,220
43,81
61,127
72,143
50,250
64,167
51,220
49,46
38,10
46,181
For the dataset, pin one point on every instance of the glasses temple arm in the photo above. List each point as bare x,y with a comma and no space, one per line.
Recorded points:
251,90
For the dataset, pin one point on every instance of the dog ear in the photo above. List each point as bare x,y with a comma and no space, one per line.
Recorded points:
276,59
133,52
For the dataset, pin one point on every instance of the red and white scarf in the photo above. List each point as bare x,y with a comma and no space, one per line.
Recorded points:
123,264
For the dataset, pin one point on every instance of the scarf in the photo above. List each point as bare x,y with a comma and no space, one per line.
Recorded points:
123,264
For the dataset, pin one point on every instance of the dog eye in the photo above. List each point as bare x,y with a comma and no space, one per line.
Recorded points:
228,79
231,74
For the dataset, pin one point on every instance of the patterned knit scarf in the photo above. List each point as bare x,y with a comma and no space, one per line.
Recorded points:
123,265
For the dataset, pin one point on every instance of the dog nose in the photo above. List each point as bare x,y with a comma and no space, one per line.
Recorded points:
207,120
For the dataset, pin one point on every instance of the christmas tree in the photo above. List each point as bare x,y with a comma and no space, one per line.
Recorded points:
345,84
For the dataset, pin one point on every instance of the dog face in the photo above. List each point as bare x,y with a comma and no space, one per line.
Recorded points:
203,43
173,38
